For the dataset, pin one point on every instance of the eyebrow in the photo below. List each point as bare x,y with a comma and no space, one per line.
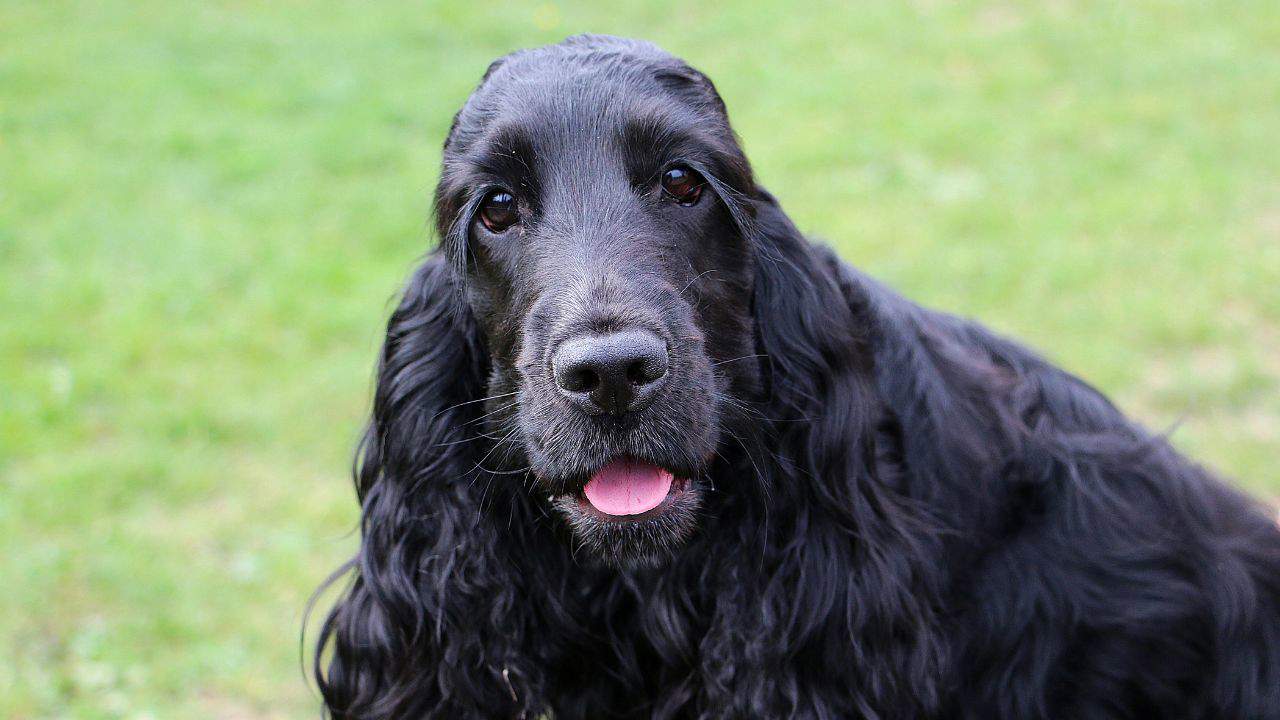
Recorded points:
651,133
506,152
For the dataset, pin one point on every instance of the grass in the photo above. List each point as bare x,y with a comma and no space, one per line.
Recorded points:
205,208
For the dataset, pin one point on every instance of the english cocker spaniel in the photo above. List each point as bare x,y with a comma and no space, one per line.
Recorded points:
641,450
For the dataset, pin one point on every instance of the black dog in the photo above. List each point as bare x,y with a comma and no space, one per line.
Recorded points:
640,450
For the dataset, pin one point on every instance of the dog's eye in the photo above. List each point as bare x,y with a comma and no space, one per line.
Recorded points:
683,185
498,211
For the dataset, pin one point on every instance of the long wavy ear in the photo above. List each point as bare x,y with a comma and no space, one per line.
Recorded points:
822,397
412,635
818,361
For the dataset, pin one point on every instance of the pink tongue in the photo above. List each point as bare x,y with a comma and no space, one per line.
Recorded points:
625,487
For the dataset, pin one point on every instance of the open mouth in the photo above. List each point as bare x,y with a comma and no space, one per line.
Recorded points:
632,512
630,491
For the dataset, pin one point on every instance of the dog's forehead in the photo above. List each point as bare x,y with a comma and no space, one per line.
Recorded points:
592,62
554,113
583,89
551,110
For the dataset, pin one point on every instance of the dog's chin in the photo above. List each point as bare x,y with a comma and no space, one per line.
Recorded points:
647,538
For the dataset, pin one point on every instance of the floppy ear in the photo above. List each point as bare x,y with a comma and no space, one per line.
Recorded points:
815,342
825,407
413,635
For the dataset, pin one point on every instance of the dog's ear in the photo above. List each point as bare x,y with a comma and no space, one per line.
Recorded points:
824,407
403,641
819,381
813,339
432,363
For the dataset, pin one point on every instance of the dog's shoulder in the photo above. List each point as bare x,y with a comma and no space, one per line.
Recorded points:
966,399
939,369
1042,476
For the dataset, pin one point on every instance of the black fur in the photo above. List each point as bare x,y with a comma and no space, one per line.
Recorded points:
893,513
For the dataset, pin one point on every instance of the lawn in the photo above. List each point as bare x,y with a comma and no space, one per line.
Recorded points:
206,207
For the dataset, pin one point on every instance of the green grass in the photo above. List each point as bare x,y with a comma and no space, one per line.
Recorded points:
205,208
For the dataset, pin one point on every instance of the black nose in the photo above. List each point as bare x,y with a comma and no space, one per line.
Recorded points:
615,373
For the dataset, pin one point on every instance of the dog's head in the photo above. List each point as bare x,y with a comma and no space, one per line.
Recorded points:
592,199
617,317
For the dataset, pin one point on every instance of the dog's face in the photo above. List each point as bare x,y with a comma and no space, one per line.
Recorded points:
588,188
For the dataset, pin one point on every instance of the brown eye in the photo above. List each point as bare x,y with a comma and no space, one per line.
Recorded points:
683,185
498,211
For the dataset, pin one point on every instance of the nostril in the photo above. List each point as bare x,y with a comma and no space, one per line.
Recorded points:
580,380
645,371
636,373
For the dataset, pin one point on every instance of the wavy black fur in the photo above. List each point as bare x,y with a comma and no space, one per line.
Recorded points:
906,516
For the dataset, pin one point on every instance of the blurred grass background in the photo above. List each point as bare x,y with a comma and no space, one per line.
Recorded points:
206,207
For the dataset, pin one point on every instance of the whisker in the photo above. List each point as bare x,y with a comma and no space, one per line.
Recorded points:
472,402
480,463
465,440
697,278
524,469
508,406
491,474
744,357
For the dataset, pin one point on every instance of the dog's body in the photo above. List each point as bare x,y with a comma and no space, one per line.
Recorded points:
878,511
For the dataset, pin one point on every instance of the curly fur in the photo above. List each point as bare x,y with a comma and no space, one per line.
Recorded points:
906,517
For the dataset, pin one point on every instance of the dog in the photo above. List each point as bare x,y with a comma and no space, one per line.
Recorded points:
639,449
